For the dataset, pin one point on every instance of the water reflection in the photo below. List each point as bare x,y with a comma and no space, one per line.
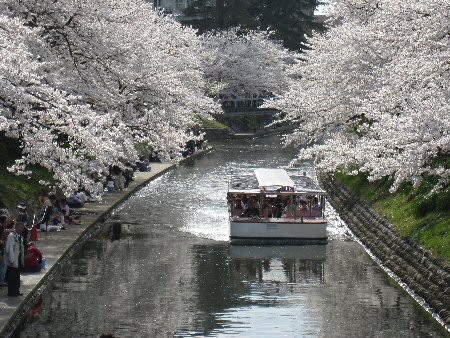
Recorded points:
279,264
238,278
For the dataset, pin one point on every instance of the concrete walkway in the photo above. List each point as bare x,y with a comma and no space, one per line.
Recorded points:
56,245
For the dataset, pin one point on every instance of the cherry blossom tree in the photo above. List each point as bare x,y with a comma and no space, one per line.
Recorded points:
245,63
94,79
374,92
51,125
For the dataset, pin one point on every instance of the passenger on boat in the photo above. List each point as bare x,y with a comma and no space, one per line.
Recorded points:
254,201
278,207
315,204
267,209
289,209
252,208
237,203
237,206
244,201
303,205
316,209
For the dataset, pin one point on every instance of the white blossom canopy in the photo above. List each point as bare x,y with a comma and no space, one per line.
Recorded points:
83,82
374,91
245,63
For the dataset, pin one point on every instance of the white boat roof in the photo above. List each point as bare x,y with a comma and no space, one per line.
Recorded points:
262,181
273,178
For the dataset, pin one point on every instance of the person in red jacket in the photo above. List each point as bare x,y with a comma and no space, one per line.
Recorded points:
33,259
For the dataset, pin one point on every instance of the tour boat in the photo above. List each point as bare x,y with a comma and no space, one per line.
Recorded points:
270,206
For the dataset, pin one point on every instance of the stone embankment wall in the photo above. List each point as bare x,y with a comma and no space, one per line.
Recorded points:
427,276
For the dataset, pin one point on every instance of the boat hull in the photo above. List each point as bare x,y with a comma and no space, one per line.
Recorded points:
277,231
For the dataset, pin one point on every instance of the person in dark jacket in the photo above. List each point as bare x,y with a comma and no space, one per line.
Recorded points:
14,255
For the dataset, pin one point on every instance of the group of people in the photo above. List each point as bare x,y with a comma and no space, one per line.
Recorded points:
16,253
57,214
190,147
119,179
276,207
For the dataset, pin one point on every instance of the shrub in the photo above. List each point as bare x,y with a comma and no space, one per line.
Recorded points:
425,205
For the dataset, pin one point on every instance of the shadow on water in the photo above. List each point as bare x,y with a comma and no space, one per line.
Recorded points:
115,231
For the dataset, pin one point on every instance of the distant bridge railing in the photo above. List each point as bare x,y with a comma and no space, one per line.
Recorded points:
246,112
246,106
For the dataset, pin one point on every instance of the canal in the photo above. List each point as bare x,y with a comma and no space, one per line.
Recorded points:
172,272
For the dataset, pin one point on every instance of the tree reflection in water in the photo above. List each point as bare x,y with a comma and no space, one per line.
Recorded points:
230,277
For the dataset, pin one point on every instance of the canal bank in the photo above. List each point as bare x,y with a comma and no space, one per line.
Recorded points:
424,275
59,247
172,273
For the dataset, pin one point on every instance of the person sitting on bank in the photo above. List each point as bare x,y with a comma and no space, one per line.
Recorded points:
154,157
143,164
48,222
68,217
74,201
33,259
58,213
14,255
110,184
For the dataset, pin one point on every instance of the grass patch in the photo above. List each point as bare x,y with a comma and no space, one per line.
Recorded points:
210,123
21,189
425,219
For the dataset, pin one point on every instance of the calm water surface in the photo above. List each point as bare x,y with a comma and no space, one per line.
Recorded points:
173,274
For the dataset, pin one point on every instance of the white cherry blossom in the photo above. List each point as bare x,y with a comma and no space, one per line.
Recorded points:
374,91
83,82
246,63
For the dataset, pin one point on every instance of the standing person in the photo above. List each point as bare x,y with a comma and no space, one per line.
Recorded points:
15,259
22,217
2,253
5,231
